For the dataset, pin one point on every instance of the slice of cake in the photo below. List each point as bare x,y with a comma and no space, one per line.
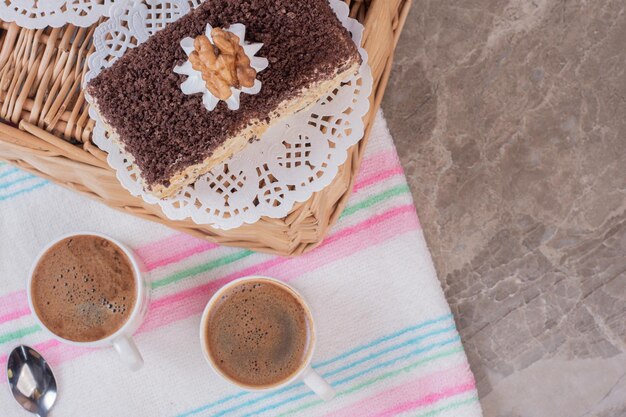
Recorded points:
173,137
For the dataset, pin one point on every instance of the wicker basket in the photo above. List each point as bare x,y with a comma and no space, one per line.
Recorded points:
45,129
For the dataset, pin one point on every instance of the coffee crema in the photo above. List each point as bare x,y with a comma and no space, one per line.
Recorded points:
83,288
258,333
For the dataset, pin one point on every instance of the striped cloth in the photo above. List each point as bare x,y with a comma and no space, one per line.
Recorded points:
386,339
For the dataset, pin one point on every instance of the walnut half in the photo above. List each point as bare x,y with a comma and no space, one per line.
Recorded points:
223,63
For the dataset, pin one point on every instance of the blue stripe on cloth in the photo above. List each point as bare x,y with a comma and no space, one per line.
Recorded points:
8,172
335,359
16,181
352,377
391,349
23,191
386,338
417,351
336,383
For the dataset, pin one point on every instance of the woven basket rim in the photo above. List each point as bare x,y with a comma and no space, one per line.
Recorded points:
45,129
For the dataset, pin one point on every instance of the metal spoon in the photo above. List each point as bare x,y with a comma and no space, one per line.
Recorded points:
31,380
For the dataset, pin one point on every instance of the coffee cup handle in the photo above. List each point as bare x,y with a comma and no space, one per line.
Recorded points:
318,384
127,349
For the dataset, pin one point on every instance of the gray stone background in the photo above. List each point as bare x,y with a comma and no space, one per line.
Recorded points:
510,119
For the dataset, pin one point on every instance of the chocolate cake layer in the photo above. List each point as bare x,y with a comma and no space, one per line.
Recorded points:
165,131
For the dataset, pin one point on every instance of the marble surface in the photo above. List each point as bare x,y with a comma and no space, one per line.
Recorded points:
510,118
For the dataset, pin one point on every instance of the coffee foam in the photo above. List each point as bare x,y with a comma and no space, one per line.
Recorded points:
258,333
83,288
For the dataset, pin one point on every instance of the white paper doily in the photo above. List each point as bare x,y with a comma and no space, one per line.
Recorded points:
37,14
292,160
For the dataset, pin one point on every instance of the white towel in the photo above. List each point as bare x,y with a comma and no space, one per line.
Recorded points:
386,339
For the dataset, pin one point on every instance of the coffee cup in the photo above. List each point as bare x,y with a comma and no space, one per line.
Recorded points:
258,334
88,290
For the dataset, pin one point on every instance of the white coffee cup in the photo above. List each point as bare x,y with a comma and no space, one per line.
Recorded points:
305,372
121,339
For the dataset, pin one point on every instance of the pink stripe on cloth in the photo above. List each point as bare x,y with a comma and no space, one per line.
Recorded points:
354,239
427,400
201,246
57,353
378,177
381,161
14,315
171,241
172,249
40,347
53,351
420,392
182,305
12,302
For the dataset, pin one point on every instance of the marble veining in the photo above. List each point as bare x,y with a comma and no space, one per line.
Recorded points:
510,119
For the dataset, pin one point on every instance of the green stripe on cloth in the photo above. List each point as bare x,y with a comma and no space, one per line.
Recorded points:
199,269
378,198
379,378
7,337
